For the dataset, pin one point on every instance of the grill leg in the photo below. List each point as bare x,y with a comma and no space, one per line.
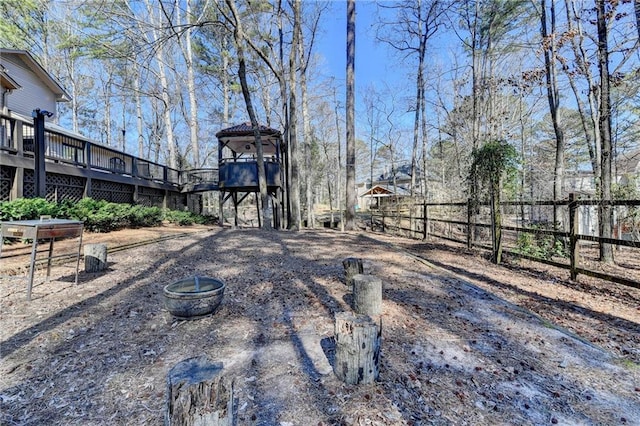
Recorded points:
34,250
49,258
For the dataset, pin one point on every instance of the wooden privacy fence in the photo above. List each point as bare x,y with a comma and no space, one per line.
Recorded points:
528,230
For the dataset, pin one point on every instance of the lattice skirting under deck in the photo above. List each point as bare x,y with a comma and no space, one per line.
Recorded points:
6,181
111,191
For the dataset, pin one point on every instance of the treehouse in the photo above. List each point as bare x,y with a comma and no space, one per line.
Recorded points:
238,168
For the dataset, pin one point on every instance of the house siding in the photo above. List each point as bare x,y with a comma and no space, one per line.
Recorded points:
33,94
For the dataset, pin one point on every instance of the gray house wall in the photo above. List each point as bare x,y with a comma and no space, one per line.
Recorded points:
33,94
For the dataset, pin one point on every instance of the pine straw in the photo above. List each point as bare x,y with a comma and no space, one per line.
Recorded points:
452,352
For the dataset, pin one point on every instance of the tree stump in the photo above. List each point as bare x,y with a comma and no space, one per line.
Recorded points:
198,394
352,266
367,295
95,257
357,348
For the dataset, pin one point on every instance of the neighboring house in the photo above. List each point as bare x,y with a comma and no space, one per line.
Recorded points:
383,197
582,183
628,169
390,188
626,172
579,182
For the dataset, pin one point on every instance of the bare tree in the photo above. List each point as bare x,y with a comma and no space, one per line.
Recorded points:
305,60
589,116
294,224
415,23
184,40
240,39
549,35
606,250
350,190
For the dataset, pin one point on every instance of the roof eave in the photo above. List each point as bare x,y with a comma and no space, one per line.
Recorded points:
8,82
49,81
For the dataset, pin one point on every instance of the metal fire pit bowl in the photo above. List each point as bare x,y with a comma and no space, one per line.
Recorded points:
194,297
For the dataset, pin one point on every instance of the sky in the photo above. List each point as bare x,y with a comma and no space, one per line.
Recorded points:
371,57
376,65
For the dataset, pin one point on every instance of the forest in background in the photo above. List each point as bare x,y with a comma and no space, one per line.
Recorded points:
555,80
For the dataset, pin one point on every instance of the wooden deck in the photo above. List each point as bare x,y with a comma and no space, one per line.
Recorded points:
77,168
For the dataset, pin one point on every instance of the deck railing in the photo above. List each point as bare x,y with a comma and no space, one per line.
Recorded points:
64,148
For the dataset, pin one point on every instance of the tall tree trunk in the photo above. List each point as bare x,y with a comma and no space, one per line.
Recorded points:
306,132
106,87
422,47
476,84
242,75
293,122
583,59
226,87
164,84
138,100
605,216
191,88
338,186
350,190
549,47
166,110
580,59
75,107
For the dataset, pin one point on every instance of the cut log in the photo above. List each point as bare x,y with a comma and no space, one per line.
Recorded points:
95,257
357,348
198,394
367,295
352,266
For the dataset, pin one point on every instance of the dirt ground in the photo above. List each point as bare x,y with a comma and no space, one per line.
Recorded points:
464,341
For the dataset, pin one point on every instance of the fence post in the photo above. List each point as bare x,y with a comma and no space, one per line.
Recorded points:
425,223
469,228
573,236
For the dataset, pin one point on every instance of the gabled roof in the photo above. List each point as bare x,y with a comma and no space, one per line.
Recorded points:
378,191
6,81
246,129
400,172
43,75
240,139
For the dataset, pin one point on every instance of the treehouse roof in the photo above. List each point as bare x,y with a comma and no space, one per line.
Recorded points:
241,139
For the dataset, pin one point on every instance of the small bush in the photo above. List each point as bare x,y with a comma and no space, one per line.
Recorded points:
97,215
27,209
179,217
140,216
540,245
184,218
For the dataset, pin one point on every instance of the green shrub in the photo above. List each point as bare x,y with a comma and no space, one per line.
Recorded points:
184,218
140,216
97,215
27,209
540,245
84,208
179,217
